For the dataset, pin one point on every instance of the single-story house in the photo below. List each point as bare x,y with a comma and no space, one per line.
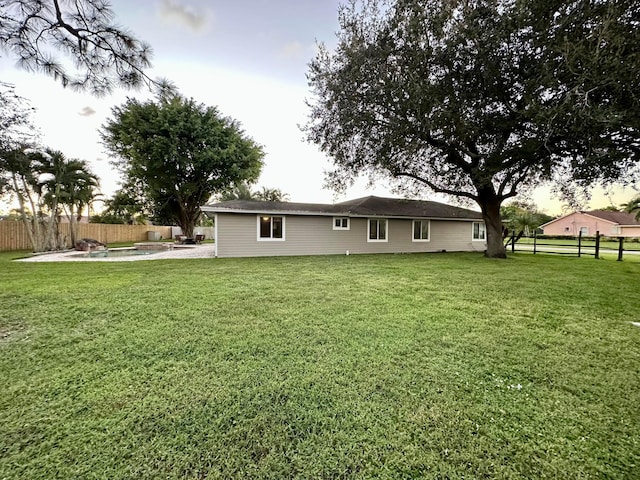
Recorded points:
247,228
607,222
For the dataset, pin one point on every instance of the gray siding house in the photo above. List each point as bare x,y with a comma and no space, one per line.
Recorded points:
366,225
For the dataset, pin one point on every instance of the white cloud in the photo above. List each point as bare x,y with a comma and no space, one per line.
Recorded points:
296,50
186,15
86,111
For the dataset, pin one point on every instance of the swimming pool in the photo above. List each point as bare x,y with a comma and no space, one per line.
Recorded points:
127,252
206,250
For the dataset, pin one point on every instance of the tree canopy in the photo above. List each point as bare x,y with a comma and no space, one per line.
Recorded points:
480,99
522,217
122,208
96,53
242,191
176,154
15,118
633,207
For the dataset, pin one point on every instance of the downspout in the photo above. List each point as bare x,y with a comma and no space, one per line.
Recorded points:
215,234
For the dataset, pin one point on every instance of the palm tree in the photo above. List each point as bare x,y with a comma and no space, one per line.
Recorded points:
242,191
271,195
67,186
19,178
526,222
633,207
46,184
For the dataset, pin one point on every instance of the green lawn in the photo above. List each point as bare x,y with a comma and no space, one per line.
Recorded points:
390,366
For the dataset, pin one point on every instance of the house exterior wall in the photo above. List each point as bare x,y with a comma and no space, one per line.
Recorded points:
572,223
630,231
314,235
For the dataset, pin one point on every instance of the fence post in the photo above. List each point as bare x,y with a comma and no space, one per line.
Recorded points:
513,241
580,243
620,248
535,238
597,244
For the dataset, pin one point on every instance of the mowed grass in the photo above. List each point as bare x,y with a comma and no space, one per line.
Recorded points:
388,366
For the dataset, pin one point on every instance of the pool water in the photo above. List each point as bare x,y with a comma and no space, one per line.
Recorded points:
116,253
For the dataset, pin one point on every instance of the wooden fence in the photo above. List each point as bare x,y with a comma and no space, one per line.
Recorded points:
13,235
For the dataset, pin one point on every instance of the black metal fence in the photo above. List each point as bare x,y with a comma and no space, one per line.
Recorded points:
578,246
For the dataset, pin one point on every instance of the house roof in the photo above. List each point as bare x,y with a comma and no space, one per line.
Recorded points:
621,218
618,218
361,207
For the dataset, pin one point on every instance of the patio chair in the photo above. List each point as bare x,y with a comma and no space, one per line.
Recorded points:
199,237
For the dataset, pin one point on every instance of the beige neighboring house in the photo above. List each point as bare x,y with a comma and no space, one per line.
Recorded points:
246,228
608,223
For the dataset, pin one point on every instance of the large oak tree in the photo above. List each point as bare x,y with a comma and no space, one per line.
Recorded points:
480,98
176,154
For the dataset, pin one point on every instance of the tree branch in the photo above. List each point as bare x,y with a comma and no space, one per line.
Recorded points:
513,191
104,55
436,188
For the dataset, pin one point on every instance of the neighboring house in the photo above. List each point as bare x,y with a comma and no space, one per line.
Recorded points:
246,228
608,223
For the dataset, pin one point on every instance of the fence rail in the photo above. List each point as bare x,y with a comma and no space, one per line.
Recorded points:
13,235
580,246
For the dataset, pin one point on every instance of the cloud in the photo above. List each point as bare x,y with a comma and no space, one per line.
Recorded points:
87,111
296,50
184,14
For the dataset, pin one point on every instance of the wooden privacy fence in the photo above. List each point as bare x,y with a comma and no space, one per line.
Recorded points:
571,245
13,235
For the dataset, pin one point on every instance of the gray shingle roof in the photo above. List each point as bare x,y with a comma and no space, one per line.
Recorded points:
367,207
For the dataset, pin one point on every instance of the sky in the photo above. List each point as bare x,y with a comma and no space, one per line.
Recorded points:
247,57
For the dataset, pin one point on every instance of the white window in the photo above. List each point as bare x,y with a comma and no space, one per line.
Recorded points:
377,231
584,231
270,228
421,230
341,223
479,231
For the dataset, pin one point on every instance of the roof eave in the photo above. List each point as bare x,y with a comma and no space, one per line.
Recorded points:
207,208
600,218
582,213
210,209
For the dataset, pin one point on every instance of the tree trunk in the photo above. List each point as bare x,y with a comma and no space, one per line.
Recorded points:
187,226
73,225
36,223
188,219
490,205
23,213
51,239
